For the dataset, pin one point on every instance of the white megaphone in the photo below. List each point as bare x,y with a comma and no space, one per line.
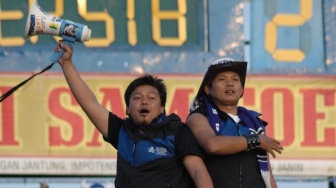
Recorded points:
40,22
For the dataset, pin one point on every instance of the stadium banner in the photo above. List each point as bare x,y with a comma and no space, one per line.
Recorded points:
44,131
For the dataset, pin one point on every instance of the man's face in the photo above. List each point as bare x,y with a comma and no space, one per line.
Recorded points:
144,105
226,88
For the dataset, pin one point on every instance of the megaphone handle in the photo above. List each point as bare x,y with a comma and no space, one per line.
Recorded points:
57,55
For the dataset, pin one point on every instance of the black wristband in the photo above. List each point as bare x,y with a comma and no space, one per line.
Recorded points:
252,141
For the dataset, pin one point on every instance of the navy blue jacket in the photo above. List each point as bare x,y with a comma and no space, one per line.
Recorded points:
146,154
239,170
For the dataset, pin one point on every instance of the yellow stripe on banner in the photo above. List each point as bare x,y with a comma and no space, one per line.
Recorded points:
42,119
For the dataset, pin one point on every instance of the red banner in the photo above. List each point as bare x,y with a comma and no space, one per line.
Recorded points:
42,123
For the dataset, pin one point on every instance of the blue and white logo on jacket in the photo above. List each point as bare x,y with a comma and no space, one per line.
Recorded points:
143,151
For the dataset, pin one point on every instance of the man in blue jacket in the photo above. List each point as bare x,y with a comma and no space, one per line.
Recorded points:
233,138
146,139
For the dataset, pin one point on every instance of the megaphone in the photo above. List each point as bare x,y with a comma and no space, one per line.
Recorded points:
40,22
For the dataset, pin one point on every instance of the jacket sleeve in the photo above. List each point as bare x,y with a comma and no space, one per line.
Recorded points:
114,125
186,144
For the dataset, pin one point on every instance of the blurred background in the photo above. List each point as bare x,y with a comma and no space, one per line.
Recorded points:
290,47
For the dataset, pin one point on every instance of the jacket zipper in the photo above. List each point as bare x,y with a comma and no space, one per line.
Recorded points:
134,150
240,168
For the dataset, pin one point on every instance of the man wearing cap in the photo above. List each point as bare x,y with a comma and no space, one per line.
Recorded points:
233,138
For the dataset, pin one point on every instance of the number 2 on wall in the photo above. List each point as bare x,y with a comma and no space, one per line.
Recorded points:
287,20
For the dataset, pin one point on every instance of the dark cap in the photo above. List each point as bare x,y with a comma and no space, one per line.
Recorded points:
222,65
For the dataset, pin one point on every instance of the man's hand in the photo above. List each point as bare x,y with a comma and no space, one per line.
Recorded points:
270,145
67,55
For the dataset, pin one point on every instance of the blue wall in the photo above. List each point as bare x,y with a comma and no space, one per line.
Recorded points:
223,35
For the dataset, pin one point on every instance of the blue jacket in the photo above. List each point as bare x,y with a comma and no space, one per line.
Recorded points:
146,154
239,170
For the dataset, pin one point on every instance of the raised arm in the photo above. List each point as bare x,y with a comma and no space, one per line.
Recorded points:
213,144
82,93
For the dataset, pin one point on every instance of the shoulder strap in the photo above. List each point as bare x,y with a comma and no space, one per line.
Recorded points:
9,92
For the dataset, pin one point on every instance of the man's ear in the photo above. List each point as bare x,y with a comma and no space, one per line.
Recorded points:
162,109
207,89
242,92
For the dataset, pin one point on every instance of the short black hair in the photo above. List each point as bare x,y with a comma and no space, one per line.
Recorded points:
147,79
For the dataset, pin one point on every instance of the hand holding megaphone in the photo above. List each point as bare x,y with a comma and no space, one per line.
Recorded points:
40,22
66,50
